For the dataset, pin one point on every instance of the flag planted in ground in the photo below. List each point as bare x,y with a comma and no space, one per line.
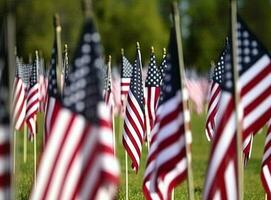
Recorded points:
167,159
78,161
134,121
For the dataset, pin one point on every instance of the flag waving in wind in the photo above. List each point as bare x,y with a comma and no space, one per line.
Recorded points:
152,85
134,122
167,159
254,82
78,161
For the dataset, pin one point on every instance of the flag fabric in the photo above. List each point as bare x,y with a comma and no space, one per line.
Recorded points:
214,96
167,158
108,94
126,74
254,83
162,68
152,86
78,161
53,94
134,121
32,105
18,98
42,86
266,163
5,140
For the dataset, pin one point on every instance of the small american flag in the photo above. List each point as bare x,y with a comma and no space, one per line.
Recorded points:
134,122
214,96
167,159
52,94
18,98
78,161
126,74
108,93
254,69
5,155
152,86
266,163
32,105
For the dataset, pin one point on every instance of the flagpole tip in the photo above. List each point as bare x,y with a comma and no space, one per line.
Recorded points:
36,53
56,20
137,45
109,58
164,51
122,51
152,49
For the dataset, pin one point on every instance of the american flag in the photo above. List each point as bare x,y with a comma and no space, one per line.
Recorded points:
126,74
108,94
152,85
78,161
254,69
266,163
5,159
214,96
32,105
167,159
134,121
18,97
52,94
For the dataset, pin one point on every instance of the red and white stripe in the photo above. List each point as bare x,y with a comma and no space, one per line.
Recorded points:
167,159
18,103
255,98
81,167
214,95
134,129
5,163
223,159
32,108
266,163
152,99
124,89
49,116
42,91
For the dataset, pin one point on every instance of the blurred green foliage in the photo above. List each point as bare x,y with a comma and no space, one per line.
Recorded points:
123,22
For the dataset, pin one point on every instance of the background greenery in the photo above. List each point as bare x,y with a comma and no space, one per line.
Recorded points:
123,22
253,189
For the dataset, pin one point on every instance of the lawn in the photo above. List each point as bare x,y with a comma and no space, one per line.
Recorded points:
200,152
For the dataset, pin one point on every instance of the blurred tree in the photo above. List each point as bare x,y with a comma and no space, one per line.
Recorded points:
123,22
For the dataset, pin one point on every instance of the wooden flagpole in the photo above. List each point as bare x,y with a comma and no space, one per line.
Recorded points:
126,177
188,138
112,111
59,54
36,131
25,143
234,52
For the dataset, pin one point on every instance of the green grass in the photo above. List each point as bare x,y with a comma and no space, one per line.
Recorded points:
200,155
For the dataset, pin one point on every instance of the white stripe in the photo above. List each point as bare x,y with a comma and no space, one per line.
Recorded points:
256,69
50,108
5,193
257,113
4,164
34,98
49,154
67,151
32,110
267,176
4,134
230,184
